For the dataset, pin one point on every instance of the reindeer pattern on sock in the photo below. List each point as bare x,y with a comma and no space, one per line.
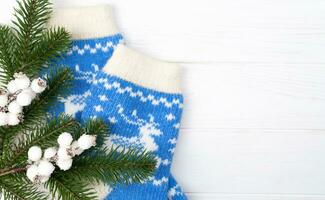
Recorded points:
148,129
138,118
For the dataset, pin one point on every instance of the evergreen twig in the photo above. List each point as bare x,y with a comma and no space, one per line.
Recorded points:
7,58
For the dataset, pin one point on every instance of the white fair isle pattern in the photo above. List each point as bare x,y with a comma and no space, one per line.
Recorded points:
87,76
174,191
159,182
85,59
87,48
75,103
134,93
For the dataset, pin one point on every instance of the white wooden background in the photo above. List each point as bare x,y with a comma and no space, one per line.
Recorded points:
254,82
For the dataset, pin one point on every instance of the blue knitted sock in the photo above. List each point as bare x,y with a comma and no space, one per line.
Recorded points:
140,98
95,37
175,192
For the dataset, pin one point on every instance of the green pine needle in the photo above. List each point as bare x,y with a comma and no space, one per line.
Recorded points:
31,17
113,166
7,59
59,82
16,187
52,44
44,136
69,189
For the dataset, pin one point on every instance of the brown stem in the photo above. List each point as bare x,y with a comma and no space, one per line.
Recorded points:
4,172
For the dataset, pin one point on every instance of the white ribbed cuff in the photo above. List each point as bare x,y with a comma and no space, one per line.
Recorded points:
144,70
85,22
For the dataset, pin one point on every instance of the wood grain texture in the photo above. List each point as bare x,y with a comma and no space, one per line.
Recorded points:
252,197
254,83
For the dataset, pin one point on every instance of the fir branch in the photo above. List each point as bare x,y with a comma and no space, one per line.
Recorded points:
69,189
94,127
7,59
113,166
59,82
44,136
53,43
16,187
13,170
30,19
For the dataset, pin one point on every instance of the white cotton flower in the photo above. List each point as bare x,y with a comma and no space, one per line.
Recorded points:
32,173
50,153
35,153
76,150
64,164
43,179
45,168
63,153
15,107
3,98
87,141
22,81
38,85
24,98
30,91
3,119
65,139
13,119
12,87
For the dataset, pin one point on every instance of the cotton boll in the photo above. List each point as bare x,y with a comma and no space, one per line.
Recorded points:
45,168
3,99
35,153
50,153
32,173
64,164
86,141
12,87
13,119
63,154
65,139
43,179
3,119
24,98
76,149
22,81
30,91
38,85
15,108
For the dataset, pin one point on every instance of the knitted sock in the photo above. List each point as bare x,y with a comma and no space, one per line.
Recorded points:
175,192
141,100
94,38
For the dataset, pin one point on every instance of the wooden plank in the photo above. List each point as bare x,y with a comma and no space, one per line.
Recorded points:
251,161
224,31
221,31
254,117
260,96
214,196
227,31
